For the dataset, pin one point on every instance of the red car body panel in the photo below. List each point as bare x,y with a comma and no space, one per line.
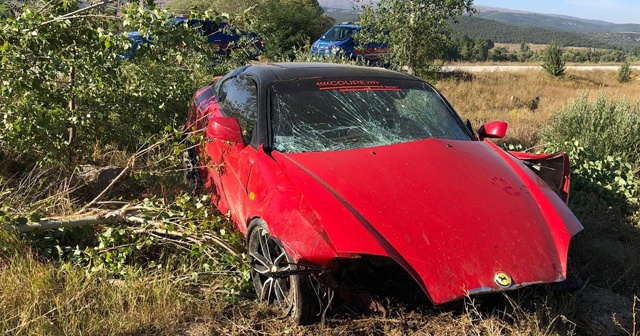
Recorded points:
453,214
454,225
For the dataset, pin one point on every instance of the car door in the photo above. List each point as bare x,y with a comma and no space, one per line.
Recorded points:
238,98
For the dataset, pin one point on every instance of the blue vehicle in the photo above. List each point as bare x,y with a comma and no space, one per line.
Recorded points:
223,35
339,40
220,34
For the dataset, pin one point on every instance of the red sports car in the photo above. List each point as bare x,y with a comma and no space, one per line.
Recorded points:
322,166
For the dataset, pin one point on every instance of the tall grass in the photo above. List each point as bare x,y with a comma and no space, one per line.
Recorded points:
45,298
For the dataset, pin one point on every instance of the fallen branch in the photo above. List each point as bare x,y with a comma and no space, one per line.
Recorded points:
133,215
112,218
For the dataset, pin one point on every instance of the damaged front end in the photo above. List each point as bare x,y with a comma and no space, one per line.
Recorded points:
553,169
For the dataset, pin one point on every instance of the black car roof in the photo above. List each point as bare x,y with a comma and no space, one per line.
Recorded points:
286,71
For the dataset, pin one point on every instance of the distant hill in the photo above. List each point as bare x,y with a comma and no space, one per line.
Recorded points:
512,26
477,27
552,21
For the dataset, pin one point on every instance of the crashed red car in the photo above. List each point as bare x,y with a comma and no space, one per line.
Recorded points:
319,164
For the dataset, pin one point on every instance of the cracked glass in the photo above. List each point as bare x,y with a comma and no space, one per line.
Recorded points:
313,115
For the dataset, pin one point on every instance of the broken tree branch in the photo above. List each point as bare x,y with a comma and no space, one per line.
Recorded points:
66,16
113,217
133,215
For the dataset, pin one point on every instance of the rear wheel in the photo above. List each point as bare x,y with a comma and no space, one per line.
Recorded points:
271,274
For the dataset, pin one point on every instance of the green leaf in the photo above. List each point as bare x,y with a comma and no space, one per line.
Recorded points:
34,218
21,221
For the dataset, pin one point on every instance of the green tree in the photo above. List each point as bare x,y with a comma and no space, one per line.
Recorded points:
231,8
481,49
552,61
417,30
67,89
287,25
624,74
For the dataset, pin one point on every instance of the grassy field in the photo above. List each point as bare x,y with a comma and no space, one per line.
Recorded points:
41,296
527,99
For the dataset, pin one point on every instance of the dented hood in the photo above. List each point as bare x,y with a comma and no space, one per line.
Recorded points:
454,214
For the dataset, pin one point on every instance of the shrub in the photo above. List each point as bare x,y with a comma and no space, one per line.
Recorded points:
604,126
553,62
609,180
624,75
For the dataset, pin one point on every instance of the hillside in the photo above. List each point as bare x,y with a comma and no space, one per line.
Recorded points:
476,27
510,26
551,21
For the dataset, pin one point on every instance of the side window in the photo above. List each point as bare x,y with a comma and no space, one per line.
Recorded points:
238,98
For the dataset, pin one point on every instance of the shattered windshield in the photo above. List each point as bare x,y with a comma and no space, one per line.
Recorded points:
314,115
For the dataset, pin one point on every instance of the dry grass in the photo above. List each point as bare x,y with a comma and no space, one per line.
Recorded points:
40,297
527,99
45,298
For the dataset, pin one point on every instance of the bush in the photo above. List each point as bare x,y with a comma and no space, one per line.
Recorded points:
604,126
624,75
553,62
608,180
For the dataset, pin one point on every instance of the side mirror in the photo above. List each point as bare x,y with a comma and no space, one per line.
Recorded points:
493,129
226,129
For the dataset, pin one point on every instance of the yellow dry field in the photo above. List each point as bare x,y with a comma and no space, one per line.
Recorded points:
527,99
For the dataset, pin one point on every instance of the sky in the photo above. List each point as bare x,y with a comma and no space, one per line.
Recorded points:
616,11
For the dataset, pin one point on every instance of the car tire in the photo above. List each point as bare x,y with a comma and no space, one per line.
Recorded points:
190,162
292,293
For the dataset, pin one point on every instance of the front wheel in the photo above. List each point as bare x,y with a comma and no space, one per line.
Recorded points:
274,279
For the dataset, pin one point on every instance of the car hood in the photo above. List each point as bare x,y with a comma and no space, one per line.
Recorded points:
455,214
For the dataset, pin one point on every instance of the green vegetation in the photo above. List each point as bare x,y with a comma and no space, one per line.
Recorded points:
476,27
609,128
553,62
288,24
556,22
67,87
602,138
285,25
417,31
233,9
624,74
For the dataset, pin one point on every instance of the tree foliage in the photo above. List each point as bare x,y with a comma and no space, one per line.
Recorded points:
232,9
477,27
67,87
553,62
287,25
624,74
416,30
